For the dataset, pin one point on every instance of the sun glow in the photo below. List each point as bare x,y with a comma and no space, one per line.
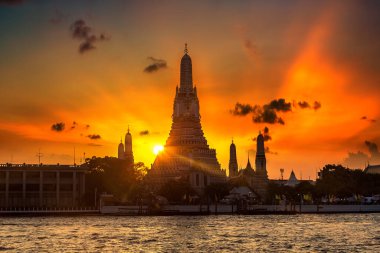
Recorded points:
157,149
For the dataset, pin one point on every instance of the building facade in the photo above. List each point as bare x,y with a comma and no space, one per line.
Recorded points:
372,169
186,154
41,186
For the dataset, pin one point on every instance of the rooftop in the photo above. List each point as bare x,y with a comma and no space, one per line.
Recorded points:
25,166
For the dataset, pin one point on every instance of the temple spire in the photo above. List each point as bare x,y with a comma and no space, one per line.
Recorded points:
233,166
186,75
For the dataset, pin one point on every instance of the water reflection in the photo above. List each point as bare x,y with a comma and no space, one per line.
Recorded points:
310,233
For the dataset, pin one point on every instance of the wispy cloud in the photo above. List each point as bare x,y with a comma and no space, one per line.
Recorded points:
144,132
81,31
94,136
156,64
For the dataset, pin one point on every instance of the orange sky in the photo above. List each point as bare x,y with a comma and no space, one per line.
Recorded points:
244,52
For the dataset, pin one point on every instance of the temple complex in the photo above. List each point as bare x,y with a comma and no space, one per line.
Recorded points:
186,154
256,179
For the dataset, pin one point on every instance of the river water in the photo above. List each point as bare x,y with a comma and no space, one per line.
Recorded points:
222,233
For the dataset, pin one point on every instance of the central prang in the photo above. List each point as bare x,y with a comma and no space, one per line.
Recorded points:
186,155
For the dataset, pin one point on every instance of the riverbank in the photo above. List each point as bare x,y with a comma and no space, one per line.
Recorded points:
194,210
233,209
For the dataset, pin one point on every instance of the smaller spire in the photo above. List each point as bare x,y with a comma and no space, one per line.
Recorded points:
128,128
186,51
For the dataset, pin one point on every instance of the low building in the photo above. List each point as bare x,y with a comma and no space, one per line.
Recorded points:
292,181
40,186
372,169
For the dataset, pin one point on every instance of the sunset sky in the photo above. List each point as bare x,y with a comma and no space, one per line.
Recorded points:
108,64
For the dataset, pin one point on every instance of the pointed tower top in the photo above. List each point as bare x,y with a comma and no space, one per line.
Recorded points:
186,75
128,129
249,166
186,51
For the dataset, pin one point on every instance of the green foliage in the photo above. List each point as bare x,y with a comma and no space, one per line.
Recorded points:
113,175
341,182
217,191
177,191
334,181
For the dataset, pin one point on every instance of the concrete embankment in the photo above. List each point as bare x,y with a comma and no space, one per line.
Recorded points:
48,212
232,209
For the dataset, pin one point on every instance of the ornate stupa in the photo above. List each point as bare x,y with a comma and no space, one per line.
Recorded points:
186,154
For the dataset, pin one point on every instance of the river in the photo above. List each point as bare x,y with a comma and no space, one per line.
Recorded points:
221,233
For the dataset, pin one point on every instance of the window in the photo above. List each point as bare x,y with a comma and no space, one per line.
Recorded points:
197,180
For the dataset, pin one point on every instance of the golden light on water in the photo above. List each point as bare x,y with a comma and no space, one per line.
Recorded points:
157,149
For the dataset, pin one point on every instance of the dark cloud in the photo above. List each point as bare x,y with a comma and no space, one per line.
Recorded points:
251,47
264,114
268,151
268,113
366,118
86,46
145,132
74,125
265,134
360,159
279,105
11,2
58,127
156,64
81,31
372,147
304,104
94,145
374,152
356,160
317,105
94,136
242,109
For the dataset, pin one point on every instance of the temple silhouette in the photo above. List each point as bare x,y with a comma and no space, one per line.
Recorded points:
186,155
125,151
256,179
